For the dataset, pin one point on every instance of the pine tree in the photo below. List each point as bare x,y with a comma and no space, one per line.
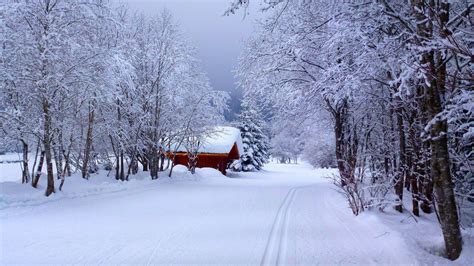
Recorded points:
255,142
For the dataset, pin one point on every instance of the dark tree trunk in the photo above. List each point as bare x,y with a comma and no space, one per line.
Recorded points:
154,164
47,148
425,181
117,167
66,166
88,145
134,166
443,188
162,161
414,188
57,161
411,178
38,146
192,162
122,168
117,157
339,134
58,156
402,160
344,161
145,165
440,168
38,170
25,177
413,158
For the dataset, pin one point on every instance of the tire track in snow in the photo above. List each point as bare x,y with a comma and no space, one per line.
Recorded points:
275,249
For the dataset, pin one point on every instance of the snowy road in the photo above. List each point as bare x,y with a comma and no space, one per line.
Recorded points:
284,215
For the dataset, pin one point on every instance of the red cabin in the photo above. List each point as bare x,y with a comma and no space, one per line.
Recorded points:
217,149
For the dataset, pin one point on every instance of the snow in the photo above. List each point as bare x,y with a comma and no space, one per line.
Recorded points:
10,157
11,166
10,172
285,214
220,140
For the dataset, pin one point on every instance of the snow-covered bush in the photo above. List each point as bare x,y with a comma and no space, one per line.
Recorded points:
367,191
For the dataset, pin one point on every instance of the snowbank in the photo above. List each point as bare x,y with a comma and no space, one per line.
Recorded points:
15,194
423,234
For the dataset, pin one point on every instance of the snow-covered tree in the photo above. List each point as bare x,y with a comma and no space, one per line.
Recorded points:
389,74
85,82
255,141
287,142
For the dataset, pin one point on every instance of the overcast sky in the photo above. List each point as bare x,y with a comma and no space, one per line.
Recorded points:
218,39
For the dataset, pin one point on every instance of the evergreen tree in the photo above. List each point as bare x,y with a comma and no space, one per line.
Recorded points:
255,142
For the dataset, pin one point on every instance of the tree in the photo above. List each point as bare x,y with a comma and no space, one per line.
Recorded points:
255,142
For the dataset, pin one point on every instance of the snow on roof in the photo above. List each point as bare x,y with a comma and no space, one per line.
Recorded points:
220,140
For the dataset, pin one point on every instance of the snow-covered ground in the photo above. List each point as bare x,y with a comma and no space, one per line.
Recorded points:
286,214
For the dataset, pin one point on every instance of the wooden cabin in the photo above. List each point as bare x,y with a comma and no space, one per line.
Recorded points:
217,149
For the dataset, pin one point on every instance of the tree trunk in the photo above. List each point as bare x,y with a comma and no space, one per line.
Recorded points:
47,148
411,178
440,170
25,177
425,180
402,159
443,188
58,156
34,163
38,171
66,166
116,154
339,134
57,161
414,194
145,165
162,161
117,167
339,115
413,162
88,145
132,167
154,164
122,169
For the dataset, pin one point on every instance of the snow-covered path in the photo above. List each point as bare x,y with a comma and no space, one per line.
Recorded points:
287,214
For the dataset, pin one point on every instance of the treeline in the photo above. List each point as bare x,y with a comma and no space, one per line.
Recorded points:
86,81
395,78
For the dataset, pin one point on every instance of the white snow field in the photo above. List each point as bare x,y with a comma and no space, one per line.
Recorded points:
286,215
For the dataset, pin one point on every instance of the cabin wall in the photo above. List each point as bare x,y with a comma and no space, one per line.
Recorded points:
218,162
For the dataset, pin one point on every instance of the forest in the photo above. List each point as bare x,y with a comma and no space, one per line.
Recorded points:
85,79
394,81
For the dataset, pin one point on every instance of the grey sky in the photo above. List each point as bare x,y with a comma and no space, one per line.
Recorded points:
218,39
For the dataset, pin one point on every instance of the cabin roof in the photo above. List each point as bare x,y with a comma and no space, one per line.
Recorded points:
221,141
